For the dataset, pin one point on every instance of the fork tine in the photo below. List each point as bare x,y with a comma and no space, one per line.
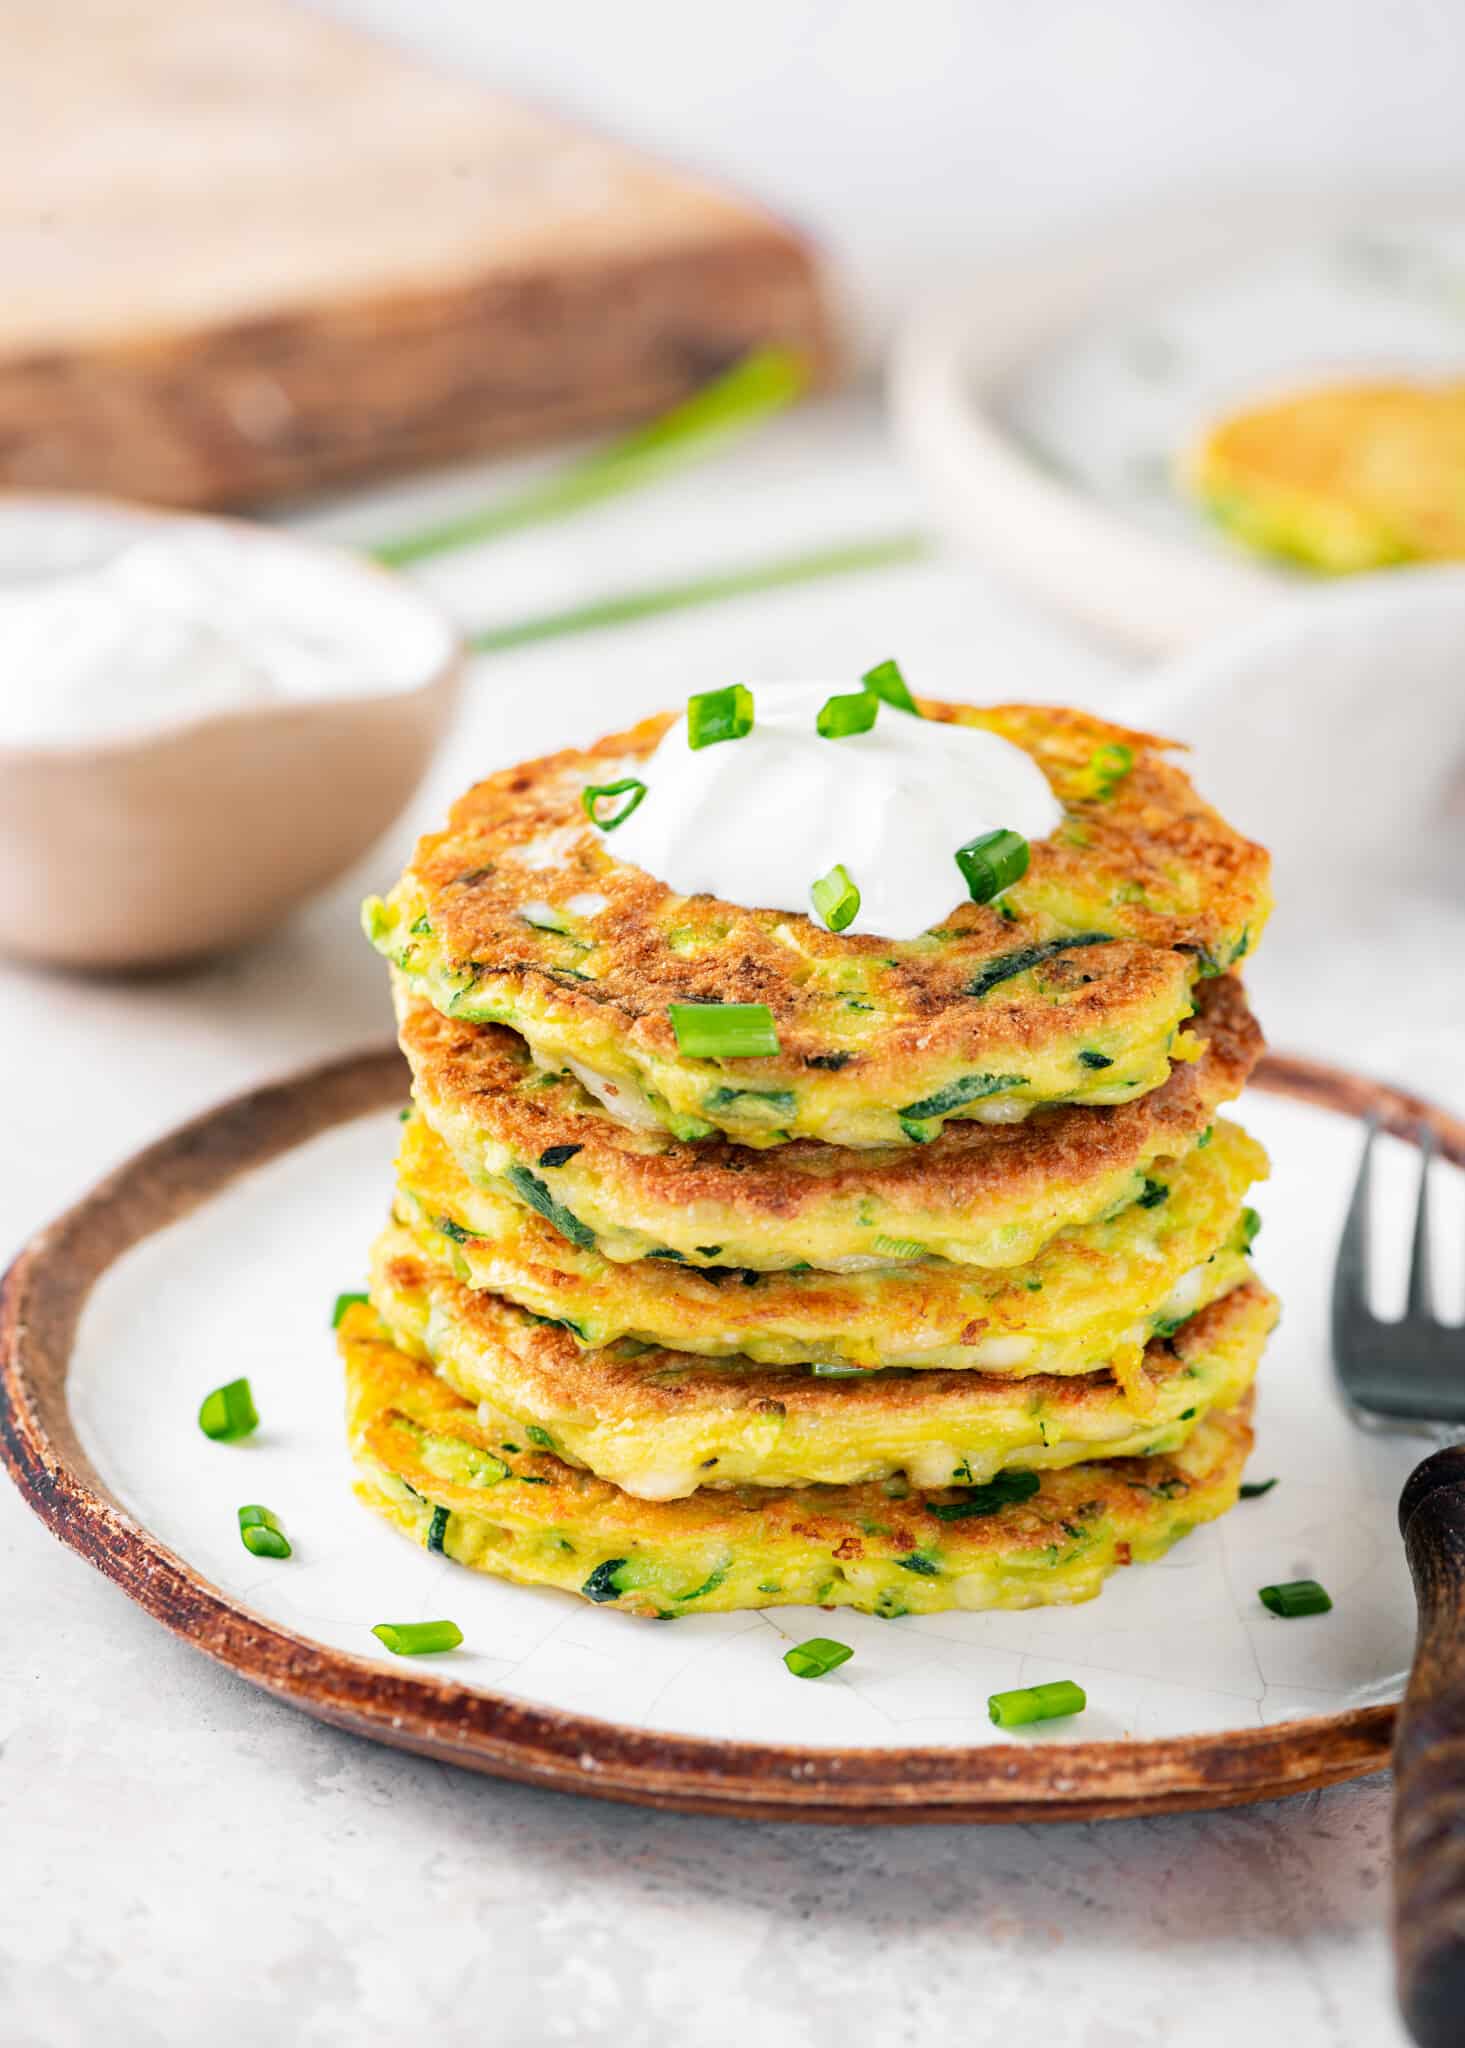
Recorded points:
1350,1274
1420,1303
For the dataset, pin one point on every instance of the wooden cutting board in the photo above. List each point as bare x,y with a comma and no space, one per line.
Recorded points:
249,252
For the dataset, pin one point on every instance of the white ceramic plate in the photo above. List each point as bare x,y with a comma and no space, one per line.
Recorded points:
1045,405
1178,1659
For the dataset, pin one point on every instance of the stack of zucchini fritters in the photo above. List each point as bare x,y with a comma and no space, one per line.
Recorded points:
945,1303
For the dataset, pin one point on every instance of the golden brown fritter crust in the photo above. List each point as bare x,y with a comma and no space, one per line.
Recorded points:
1344,477
449,1473
664,1423
478,1088
1139,862
1089,1298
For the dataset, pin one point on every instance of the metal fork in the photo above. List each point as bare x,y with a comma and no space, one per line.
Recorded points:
1412,1372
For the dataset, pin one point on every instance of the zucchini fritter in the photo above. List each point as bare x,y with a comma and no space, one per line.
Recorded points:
1074,989
445,1471
1093,1296
979,1194
662,1423
1352,476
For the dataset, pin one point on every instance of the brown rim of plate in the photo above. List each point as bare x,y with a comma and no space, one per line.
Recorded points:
41,1299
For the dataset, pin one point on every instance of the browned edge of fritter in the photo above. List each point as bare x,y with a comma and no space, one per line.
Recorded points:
40,1302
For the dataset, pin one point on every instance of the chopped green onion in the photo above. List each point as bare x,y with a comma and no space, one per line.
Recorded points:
1253,1489
343,1302
886,682
630,787
1003,1490
992,862
836,898
1251,1224
1153,1193
718,715
1050,1702
840,717
261,1533
723,1031
418,1638
1294,1598
817,1656
1096,1060
1106,768
228,1413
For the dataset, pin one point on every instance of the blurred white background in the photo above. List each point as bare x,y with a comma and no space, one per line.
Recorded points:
915,139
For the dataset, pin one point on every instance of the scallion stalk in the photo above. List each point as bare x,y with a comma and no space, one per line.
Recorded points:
814,1658
992,862
418,1638
1294,1598
345,1301
630,786
841,717
261,1533
717,715
229,1413
848,558
723,1031
886,682
762,383
836,898
1028,1703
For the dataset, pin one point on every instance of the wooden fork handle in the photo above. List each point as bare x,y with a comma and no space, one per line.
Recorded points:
1429,1762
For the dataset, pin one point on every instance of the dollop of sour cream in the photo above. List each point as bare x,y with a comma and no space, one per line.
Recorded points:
190,620
758,820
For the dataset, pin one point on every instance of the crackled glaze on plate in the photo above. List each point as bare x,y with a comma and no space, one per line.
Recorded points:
245,1285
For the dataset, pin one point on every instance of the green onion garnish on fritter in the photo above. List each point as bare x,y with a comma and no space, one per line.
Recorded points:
836,898
343,1302
261,1533
840,717
992,862
723,1031
1050,1702
418,1638
886,682
814,1658
229,1413
630,787
719,715
1106,768
1294,1598
1253,1489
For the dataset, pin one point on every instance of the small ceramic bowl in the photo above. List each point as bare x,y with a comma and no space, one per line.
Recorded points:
165,846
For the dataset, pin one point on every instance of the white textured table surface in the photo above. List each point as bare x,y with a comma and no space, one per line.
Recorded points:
183,1861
